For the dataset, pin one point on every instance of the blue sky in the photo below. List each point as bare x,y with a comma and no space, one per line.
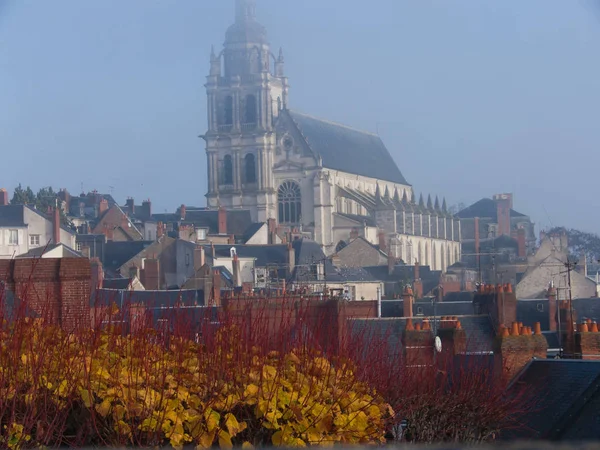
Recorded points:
471,97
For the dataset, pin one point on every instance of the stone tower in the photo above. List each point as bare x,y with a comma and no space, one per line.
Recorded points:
246,90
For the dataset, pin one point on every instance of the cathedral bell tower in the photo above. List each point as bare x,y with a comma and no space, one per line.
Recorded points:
246,89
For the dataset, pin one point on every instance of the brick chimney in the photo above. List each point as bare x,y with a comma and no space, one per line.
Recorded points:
272,230
382,244
151,274
130,206
237,272
418,342
96,277
146,212
453,337
3,197
102,206
199,257
587,341
418,284
503,206
182,212
521,243
56,225
291,259
409,299
516,345
552,308
222,218
216,287
391,260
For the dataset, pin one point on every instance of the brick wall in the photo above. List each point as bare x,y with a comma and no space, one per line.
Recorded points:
57,289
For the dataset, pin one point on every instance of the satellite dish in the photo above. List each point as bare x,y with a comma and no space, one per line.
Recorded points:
438,344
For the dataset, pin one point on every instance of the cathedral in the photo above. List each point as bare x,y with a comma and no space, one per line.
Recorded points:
327,180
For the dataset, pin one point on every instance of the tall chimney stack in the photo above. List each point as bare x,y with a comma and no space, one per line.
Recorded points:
222,219
56,224
3,197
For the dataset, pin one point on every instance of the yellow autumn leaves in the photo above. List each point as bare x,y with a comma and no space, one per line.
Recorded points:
143,391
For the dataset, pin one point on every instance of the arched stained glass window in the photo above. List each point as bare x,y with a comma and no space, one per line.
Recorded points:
290,203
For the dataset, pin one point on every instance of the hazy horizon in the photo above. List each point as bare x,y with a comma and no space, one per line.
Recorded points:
471,98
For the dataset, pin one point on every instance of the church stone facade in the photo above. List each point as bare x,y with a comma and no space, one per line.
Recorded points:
321,178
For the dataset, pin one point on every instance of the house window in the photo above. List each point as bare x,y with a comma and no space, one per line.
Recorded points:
13,237
200,234
34,240
290,203
227,170
250,168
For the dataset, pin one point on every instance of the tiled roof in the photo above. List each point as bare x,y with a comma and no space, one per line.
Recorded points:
484,208
348,150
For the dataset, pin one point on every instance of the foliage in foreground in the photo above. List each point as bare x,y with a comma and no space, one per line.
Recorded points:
104,388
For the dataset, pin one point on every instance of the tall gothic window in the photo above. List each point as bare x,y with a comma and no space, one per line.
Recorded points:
250,168
250,110
227,170
290,202
228,111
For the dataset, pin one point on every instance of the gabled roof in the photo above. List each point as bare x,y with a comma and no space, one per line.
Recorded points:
484,208
346,149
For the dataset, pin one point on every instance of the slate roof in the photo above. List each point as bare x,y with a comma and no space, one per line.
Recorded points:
156,299
430,278
370,221
116,283
531,311
587,308
348,150
12,216
565,394
237,220
118,253
479,330
38,252
252,230
484,208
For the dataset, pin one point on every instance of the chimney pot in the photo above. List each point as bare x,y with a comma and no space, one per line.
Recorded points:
594,328
409,325
515,329
538,329
417,326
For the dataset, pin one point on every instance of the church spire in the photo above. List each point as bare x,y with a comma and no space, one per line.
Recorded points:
436,205
245,10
